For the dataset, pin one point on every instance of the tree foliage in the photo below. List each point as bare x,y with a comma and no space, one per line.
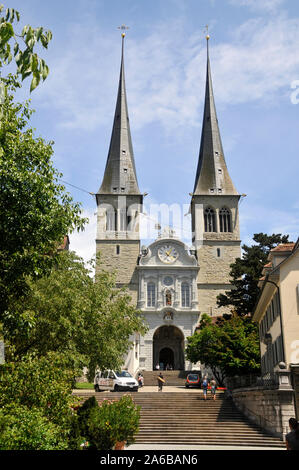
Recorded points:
36,403
23,428
20,46
229,347
35,210
89,321
246,272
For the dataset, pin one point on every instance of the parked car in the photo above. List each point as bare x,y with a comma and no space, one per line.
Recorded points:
193,380
116,381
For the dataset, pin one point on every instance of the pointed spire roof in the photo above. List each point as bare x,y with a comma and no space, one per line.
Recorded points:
212,175
120,172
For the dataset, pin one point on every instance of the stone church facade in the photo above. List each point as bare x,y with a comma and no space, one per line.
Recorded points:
171,283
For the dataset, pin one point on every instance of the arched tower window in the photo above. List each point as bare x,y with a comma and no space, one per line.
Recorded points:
225,220
210,220
185,294
110,220
123,220
151,294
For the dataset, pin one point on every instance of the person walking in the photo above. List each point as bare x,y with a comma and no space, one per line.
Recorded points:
213,388
140,380
161,382
292,438
205,384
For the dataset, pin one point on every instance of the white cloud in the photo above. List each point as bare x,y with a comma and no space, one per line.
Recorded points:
83,243
259,5
165,72
268,220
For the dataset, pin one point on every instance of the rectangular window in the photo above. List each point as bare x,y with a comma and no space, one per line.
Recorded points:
151,295
117,249
185,295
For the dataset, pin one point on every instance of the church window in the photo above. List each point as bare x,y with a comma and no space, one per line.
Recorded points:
210,220
185,295
110,220
122,190
114,190
168,297
123,220
225,220
151,294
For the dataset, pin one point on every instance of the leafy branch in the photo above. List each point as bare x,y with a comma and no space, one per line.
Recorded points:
20,47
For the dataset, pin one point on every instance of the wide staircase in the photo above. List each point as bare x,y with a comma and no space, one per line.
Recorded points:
185,418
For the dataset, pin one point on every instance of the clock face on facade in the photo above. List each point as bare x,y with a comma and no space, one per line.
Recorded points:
168,254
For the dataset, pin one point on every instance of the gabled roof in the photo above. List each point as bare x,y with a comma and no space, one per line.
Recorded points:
120,172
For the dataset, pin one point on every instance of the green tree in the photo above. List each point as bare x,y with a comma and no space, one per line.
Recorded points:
36,403
35,210
246,272
22,428
89,321
230,346
19,45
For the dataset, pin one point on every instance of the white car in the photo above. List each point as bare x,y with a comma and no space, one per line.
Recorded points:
116,381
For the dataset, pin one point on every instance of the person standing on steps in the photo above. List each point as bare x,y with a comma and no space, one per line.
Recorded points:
213,388
205,384
292,438
161,382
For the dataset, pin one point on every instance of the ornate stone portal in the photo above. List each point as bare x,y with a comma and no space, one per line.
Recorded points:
168,347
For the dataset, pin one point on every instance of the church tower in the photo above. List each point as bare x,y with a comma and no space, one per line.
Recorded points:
214,210
119,201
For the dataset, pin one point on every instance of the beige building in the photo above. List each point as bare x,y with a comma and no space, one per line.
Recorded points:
170,282
277,309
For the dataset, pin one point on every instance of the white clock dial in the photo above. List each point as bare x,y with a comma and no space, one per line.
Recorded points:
168,254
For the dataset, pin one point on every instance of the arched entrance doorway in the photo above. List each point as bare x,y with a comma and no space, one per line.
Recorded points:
166,357
168,347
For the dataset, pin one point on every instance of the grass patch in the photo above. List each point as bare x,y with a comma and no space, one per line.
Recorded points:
84,386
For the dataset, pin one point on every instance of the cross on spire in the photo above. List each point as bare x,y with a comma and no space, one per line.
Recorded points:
123,28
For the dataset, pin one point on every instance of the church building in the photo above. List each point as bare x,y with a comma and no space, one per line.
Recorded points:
171,283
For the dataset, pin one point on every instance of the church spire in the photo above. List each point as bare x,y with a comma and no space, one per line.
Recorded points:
120,172
212,176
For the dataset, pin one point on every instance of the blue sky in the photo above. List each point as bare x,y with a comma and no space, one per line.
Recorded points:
254,52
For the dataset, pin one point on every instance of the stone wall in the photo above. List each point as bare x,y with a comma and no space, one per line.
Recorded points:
269,409
123,263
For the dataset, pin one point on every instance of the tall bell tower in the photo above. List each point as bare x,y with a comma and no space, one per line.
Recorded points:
119,201
214,210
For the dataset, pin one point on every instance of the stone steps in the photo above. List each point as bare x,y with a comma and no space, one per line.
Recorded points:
186,418
172,377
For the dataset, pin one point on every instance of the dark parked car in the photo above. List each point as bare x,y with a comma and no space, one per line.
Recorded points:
193,380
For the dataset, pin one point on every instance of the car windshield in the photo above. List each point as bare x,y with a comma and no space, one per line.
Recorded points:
123,373
192,377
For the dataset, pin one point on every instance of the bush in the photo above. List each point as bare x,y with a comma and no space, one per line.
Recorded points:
113,421
22,428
